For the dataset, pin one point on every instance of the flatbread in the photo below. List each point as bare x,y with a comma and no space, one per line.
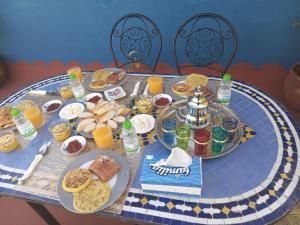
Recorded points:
194,80
92,197
76,180
181,89
6,119
97,84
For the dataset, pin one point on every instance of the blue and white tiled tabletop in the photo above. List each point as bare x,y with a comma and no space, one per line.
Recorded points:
257,183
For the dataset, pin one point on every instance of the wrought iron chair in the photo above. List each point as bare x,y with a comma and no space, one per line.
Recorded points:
205,40
136,40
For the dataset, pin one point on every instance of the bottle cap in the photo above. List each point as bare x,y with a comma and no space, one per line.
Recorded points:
15,112
72,76
127,124
227,77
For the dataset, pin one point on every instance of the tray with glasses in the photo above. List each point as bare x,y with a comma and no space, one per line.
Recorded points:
217,131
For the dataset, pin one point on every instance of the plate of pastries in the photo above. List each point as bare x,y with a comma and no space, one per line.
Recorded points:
93,181
104,79
101,114
184,86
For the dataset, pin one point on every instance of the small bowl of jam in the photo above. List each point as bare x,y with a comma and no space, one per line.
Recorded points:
162,100
51,106
73,145
93,98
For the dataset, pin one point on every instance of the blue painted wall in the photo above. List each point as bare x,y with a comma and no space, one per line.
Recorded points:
65,30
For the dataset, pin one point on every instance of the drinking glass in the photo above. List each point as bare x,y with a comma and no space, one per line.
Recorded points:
77,71
230,124
183,136
201,140
219,139
36,117
155,85
169,131
103,137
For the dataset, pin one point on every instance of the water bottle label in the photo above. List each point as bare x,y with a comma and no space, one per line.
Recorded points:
132,148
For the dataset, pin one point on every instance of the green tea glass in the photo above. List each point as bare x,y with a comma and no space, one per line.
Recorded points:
219,139
183,133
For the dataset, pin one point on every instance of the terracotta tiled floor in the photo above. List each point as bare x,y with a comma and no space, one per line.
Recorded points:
16,212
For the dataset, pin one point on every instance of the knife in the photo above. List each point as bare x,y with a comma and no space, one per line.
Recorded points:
133,95
43,92
42,151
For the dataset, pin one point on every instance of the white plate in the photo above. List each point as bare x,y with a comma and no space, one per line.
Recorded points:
47,104
64,145
156,97
91,95
143,123
71,111
114,93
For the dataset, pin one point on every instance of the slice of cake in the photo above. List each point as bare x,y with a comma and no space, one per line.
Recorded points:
175,173
105,167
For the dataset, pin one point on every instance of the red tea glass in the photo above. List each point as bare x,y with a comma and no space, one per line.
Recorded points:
201,140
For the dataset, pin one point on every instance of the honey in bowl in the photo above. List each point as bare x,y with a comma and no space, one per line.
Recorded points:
144,104
60,130
66,92
8,142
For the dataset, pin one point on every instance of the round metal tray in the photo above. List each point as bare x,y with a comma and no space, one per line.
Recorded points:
219,111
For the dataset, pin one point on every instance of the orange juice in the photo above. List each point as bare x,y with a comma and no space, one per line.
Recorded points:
103,137
35,116
77,71
155,85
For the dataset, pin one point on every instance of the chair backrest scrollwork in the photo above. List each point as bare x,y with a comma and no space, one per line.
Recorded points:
135,39
205,40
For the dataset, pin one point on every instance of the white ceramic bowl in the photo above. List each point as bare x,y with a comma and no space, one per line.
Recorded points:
80,139
47,104
143,123
71,111
91,95
156,97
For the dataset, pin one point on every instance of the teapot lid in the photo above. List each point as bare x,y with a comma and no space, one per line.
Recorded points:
198,101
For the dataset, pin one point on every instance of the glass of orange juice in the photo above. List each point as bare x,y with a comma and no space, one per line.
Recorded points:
77,71
36,117
155,85
103,137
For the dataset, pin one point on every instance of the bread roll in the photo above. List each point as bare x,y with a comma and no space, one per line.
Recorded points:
106,108
123,112
113,125
86,115
90,127
100,125
99,105
90,106
83,123
119,119
105,117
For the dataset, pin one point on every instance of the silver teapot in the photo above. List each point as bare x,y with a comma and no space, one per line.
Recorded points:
197,112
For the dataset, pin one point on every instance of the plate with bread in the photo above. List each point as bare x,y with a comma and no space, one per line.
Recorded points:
184,86
104,79
104,113
93,181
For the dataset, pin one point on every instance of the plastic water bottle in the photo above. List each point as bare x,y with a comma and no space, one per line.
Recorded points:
224,92
130,138
24,126
77,88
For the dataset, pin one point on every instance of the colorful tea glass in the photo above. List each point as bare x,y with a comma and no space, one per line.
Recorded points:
169,131
219,139
201,139
183,133
230,124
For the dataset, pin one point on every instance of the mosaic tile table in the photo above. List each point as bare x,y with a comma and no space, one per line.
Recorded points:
257,183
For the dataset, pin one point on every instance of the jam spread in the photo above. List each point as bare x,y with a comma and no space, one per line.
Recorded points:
53,107
94,99
162,101
74,146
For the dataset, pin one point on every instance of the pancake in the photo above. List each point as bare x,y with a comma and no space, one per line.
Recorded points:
76,180
194,80
100,75
92,197
181,89
97,84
